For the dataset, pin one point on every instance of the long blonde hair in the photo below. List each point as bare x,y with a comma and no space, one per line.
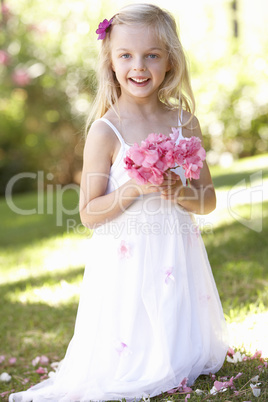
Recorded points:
175,91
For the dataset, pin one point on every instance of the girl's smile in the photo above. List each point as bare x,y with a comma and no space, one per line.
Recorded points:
139,81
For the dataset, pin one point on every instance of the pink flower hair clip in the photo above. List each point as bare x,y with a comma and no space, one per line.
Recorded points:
103,28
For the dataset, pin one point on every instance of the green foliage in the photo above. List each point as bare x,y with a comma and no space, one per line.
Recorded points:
233,104
46,84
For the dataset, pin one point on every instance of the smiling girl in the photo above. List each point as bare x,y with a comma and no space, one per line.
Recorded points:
150,318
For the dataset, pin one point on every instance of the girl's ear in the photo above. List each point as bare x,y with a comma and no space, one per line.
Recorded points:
168,68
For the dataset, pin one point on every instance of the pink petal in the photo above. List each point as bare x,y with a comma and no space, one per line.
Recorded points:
136,154
3,394
12,360
155,138
238,375
2,358
201,153
168,274
156,177
173,391
175,134
41,370
257,355
187,389
218,385
36,360
151,157
122,349
124,249
44,360
182,388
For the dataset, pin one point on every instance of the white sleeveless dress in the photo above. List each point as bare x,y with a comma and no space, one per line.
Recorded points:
149,313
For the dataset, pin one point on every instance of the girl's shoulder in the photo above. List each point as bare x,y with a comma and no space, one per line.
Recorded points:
100,138
101,131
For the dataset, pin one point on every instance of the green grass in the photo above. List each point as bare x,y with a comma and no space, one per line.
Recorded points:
243,169
42,262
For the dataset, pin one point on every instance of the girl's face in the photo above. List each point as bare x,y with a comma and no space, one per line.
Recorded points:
139,61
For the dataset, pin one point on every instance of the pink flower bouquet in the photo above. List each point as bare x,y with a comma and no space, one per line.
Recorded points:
149,162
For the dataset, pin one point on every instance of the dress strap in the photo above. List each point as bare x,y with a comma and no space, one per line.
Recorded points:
119,136
180,124
180,117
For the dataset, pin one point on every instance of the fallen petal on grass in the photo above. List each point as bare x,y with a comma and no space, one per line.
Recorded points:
237,357
3,394
41,370
35,361
256,391
44,360
199,392
231,351
5,377
238,375
255,379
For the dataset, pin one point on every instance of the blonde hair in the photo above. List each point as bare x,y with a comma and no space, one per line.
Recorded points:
175,91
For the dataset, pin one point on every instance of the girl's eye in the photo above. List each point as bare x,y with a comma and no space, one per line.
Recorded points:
125,56
152,56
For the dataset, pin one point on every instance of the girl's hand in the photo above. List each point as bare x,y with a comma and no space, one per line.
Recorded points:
171,187
143,189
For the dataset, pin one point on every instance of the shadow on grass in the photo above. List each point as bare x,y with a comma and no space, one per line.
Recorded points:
238,258
20,228
37,328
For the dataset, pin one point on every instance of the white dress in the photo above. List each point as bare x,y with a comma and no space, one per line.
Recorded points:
149,313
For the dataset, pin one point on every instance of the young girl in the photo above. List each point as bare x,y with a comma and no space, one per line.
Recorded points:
149,316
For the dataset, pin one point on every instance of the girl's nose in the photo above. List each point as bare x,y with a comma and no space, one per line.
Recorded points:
139,65
139,68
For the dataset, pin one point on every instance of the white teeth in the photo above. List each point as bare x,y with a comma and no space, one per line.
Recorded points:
139,79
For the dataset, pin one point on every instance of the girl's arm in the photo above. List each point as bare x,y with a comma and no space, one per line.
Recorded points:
199,197
96,207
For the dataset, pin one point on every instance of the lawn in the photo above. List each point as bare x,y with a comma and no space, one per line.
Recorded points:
42,258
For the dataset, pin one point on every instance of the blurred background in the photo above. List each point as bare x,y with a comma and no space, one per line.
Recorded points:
48,54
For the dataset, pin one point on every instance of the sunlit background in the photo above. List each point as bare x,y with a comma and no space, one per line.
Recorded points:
48,52
48,62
